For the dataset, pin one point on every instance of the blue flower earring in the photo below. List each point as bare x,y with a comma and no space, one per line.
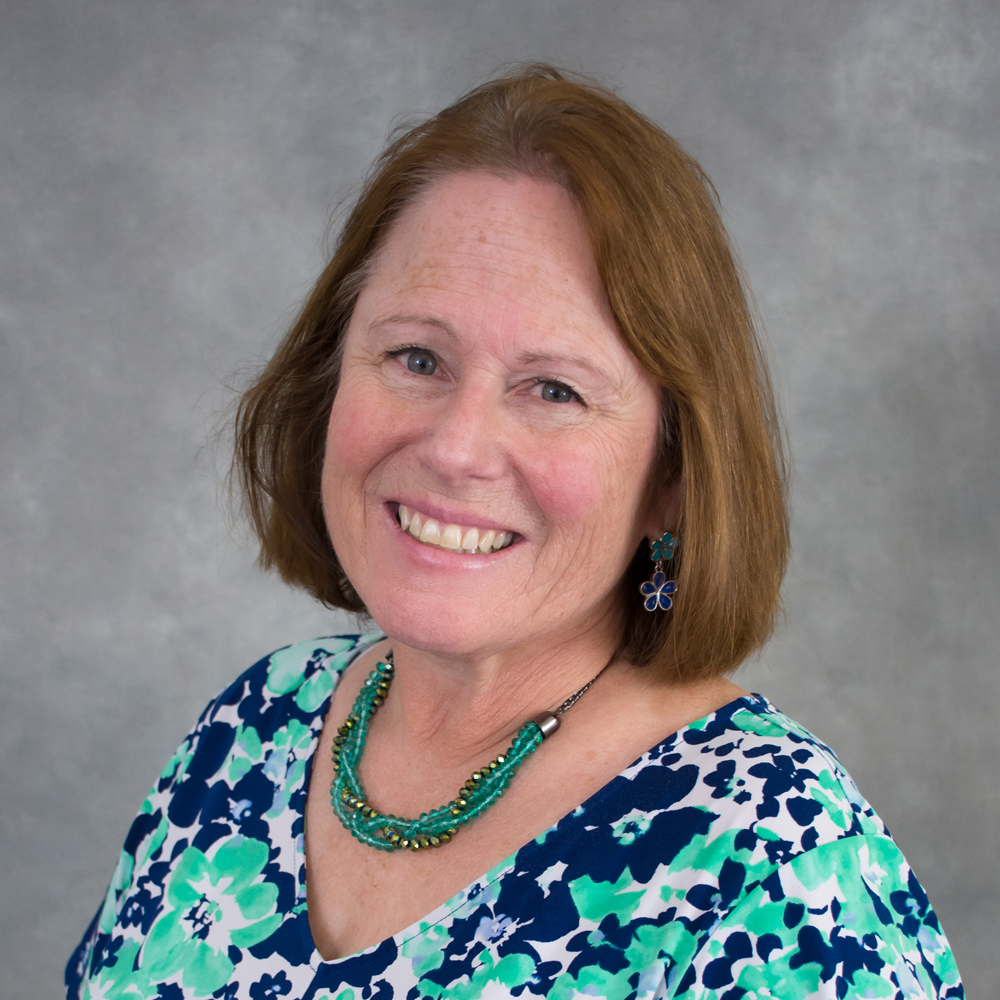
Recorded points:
658,588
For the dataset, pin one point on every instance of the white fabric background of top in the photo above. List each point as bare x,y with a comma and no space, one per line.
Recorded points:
168,170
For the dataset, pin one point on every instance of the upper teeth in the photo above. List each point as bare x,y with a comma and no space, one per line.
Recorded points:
452,536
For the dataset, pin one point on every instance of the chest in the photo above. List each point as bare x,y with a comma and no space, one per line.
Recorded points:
359,896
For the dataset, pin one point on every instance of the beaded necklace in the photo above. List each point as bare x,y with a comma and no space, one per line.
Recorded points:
385,832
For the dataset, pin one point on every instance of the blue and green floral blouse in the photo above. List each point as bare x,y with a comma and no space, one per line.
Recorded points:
734,861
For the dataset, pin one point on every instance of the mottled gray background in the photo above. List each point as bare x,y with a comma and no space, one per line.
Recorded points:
168,170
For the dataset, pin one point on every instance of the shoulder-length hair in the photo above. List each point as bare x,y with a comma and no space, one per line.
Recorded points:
674,287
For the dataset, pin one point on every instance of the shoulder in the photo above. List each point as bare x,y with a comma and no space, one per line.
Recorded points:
228,807
781,874
285,689
779,789
724,801
306,672
705,817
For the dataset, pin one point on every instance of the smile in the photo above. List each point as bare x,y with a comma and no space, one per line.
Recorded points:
453,537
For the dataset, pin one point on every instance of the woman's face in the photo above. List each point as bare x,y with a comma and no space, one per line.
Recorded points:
485,388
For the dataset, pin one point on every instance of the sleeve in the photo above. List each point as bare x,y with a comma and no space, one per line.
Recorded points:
145,835
845,920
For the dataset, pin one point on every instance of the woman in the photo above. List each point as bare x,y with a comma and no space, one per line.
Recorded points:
523,422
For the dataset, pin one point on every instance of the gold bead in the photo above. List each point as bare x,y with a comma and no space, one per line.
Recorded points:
477,775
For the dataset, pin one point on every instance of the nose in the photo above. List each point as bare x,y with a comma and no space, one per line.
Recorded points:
463,440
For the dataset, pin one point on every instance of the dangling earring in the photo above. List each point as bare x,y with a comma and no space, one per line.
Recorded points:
658,588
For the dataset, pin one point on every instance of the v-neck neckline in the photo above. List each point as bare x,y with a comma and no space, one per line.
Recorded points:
475,888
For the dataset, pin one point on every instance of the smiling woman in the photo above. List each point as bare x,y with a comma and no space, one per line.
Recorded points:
484,387
530,354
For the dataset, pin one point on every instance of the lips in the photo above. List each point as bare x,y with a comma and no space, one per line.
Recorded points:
453,537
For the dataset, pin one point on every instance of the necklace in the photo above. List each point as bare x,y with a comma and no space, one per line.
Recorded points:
385,832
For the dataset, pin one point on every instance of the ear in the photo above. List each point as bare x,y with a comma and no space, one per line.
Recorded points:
663,507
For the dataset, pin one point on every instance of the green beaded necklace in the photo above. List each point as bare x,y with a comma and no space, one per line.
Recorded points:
437,827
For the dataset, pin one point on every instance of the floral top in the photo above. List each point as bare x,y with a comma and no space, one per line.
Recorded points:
735,859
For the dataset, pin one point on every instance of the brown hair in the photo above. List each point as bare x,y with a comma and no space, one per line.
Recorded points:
675,290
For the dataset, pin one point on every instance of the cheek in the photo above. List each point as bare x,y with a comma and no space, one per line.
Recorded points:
358,434
566,490
593,488
349,437
358,437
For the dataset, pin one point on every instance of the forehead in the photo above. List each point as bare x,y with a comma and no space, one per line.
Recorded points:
507,254
490,208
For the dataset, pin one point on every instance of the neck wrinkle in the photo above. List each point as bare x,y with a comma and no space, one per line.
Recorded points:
461,710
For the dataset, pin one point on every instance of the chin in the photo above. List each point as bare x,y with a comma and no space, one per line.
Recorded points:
435,601
453,618
434,631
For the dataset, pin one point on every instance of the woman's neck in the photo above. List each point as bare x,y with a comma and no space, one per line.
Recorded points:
465,706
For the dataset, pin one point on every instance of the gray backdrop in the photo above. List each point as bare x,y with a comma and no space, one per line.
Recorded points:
168,171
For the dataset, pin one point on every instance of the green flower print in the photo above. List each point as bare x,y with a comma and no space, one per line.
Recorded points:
286,764
246,751
215,902
632,825
735,858
287,666
107,984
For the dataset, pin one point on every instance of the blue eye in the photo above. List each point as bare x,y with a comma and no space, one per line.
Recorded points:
556,392
421,362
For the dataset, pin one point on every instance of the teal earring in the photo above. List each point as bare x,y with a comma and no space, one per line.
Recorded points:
658,589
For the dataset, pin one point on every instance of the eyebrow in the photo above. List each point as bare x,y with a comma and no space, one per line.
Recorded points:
423,320
526,358
530,358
